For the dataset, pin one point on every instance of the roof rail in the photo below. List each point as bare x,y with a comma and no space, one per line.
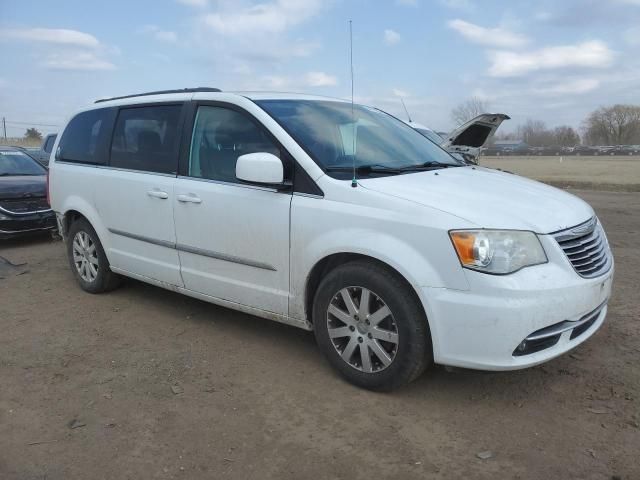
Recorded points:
161,92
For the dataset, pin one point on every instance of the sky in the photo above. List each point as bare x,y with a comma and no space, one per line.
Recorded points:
548,60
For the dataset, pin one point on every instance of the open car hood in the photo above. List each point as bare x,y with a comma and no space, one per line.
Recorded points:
471,136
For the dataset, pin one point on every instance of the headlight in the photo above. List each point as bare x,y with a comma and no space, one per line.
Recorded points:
497,251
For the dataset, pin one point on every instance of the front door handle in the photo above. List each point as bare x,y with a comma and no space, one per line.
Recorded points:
190,198
155,193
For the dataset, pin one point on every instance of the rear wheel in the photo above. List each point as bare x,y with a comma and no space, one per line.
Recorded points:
370,326
87,259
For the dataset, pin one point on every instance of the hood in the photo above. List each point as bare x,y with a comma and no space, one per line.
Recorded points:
487,198
23,186
471,136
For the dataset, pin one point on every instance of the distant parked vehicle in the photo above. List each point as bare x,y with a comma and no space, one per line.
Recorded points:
581,150
627,150
44,152
23,201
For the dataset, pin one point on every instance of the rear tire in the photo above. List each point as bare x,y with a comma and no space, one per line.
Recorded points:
380,345
87,259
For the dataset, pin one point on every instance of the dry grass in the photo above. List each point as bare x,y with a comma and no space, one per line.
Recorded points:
20,142
592,173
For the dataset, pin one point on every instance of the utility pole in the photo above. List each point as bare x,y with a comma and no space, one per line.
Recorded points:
4,127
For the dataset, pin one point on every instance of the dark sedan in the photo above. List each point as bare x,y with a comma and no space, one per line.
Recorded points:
23,195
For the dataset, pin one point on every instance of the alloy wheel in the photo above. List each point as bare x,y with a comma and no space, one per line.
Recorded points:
362,329
85,256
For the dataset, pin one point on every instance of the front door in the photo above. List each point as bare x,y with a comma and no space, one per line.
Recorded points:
232,238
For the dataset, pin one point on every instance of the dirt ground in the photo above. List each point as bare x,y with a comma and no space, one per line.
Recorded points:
612,173
142,383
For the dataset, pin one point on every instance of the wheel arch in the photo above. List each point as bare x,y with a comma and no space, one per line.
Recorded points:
323,266
76,208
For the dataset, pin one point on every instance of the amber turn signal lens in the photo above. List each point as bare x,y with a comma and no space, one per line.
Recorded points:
463,242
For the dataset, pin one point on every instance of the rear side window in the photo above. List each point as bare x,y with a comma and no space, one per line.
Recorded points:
83,136
147,139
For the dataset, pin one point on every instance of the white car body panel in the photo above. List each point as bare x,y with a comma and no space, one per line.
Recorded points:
501,200
235,243
260,246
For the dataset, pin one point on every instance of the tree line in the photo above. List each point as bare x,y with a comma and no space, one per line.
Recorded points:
613,125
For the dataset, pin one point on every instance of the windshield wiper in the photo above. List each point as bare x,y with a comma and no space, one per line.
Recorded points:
364,169
431,165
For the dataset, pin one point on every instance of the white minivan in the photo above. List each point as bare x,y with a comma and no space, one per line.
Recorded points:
331,217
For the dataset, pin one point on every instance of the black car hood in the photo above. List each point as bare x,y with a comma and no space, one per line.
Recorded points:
23,186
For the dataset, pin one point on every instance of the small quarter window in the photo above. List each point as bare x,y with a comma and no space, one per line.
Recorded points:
49,143
146,139
220,136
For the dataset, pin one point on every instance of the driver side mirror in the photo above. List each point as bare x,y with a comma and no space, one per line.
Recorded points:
261,168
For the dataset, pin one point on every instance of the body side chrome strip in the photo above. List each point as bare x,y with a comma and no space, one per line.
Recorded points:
142,238
226,258
195,250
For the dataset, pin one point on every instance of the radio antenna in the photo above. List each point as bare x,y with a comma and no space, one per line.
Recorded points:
354,181
405,110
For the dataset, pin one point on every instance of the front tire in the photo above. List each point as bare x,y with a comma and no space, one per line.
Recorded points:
87,259
371,327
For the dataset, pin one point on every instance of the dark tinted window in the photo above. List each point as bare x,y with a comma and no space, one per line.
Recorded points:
49,143
146,138
220,136
81,138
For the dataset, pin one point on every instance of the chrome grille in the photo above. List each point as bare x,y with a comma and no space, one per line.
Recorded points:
23,206
586,248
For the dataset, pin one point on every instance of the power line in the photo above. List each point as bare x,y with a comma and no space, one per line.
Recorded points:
12,122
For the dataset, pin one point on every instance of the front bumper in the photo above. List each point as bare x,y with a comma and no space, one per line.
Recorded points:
483,327
16,225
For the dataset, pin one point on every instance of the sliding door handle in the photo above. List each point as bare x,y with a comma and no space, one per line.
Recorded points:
155,193
190,198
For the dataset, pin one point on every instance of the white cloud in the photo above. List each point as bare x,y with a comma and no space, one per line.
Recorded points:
570,87
159,34
320,79
59,36
79,61
594,54
494,37
271,17
391,37
399,93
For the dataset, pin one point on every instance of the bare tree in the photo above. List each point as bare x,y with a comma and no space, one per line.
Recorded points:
616,125
468,109
534,133
565,136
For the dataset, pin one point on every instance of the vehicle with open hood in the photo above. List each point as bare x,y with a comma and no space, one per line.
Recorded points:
468,139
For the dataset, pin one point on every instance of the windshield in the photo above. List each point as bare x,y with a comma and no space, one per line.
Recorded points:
337,138
18,163
430,134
